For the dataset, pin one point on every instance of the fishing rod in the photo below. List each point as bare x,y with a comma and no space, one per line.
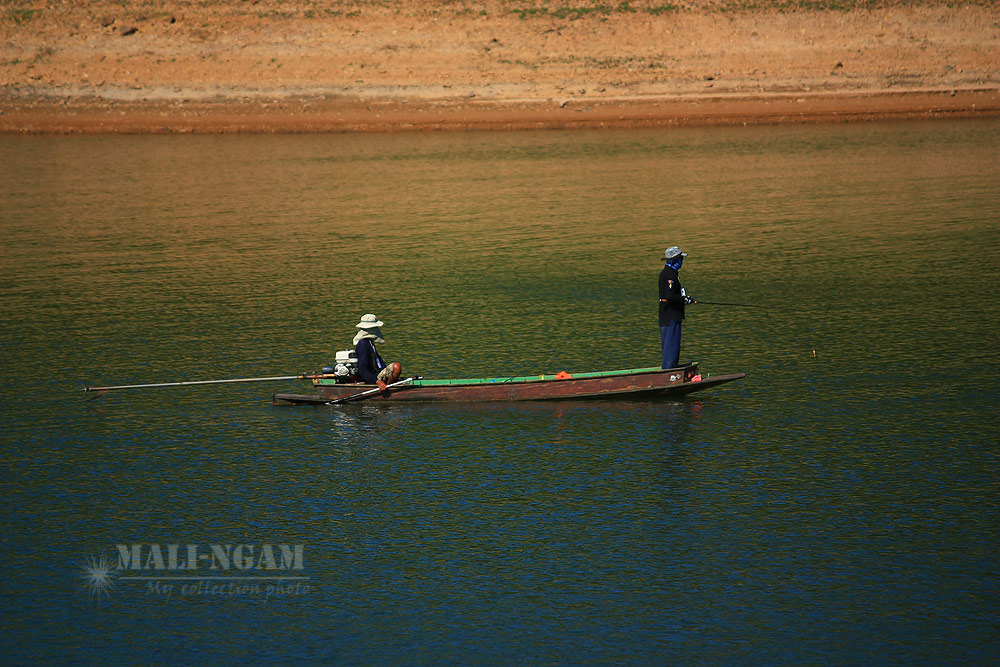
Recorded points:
303,376
725,303
751,305
370,392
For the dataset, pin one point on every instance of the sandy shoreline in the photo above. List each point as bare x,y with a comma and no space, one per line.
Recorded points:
273,66
311,114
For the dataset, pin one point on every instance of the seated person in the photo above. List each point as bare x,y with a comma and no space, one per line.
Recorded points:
371,367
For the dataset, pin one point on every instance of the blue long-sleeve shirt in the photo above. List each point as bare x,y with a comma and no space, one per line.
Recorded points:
369,361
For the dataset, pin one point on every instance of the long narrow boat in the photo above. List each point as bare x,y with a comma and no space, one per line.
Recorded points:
628,383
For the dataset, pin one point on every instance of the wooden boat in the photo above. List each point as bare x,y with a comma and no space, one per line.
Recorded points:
629,383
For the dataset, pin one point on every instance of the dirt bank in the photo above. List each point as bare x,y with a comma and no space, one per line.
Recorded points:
350,65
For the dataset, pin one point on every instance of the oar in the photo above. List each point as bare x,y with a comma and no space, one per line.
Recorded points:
304,376
369,392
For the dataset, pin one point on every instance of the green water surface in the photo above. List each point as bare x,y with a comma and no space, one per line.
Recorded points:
837,506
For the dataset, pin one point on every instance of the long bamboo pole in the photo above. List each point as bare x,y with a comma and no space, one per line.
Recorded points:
304,376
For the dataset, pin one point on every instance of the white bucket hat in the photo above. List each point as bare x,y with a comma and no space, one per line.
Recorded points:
369,321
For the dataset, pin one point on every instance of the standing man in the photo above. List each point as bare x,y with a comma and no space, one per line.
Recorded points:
672,302
371,366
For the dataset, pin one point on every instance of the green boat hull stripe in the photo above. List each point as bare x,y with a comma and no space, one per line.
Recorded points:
524,378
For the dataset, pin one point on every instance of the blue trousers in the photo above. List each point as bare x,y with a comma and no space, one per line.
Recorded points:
670,339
